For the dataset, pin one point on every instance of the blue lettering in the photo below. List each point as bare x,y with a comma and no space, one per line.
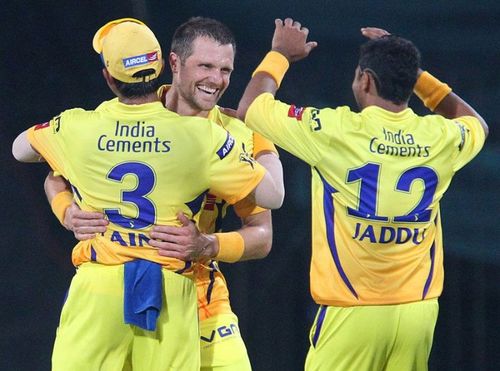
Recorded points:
356,232
399,235
369,233
415,236
131,237
143,239
224,331
116,237
234,328
384,238
386,234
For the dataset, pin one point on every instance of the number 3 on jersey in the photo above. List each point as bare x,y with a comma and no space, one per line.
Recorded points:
146,180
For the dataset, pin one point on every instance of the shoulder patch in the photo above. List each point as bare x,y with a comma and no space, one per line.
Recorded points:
463,130
42,126
296,112
226,147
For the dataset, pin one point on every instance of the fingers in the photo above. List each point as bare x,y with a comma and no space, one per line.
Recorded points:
167,230
374,32
311,45
84,236
289,22
184,219
171,249
76,213
85,225
167,235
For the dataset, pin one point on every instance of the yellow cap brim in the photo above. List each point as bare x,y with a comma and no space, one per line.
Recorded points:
104,30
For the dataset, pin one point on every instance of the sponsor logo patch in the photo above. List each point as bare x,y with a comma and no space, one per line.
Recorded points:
296,112
139,60
463,131
226,147
42,126
245,156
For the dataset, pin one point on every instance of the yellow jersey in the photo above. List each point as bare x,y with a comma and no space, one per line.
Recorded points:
377,179
140,165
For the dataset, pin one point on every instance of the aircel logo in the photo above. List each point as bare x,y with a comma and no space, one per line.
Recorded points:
139,60
226,147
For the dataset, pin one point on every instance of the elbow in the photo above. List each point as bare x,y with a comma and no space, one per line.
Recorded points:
266,239
279,198
485,128
266,249
22,150
18,152
275,201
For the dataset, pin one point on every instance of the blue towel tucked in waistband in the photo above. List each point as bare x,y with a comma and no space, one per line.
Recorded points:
142,293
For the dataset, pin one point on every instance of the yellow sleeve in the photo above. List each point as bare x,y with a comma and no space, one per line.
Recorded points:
247,207
300,131
471,139
233,173
261,144
47,140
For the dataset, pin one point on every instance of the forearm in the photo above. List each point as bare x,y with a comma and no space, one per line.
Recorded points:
60,198
260,83
54,185
252,241
258,237
452,106
439,98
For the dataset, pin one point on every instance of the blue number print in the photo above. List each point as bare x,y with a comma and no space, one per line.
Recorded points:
420,213
368,175
145,183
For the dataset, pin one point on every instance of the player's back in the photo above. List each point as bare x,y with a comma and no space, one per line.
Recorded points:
377,179
140,165
380,193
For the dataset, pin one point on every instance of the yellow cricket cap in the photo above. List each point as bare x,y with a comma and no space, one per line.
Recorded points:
127,46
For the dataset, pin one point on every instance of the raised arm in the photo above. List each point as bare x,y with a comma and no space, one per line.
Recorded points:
436,95
451,105
289,45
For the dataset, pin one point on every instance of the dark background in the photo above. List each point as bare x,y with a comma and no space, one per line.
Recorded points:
48,65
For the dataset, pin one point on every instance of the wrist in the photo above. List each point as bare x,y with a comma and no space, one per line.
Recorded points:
231,246
211,246
430,90
60,204
275,64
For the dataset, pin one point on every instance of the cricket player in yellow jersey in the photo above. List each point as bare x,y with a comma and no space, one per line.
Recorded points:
201,59
377,179
139,164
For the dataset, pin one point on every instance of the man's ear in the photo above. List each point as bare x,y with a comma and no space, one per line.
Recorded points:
371,86
174,60
108,78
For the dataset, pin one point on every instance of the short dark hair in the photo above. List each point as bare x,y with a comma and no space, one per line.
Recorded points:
138,89
186,33
393,62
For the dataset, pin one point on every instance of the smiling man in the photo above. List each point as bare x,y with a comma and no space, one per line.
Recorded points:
201,59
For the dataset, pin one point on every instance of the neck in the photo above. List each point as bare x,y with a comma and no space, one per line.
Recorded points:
174,102
150,98
385,104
